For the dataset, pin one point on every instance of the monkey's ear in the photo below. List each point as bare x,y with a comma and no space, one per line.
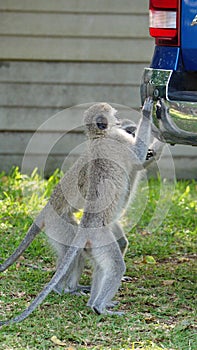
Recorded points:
101,122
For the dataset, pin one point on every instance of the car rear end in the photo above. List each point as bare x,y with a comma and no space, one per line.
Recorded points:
173,71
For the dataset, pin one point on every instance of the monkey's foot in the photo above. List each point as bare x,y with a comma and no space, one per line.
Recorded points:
107,312
126,279
58,290
78,290
84,289
104,310
112,303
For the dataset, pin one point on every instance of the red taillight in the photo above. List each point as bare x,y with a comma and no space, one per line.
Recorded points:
164,4
164,21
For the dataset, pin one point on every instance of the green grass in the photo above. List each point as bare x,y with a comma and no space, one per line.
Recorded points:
158,298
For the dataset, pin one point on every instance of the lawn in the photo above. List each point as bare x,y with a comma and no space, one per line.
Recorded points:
158,296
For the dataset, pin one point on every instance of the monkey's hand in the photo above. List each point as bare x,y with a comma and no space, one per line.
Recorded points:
151,153
147,108
161,109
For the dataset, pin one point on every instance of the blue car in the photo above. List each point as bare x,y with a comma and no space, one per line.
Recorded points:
172,75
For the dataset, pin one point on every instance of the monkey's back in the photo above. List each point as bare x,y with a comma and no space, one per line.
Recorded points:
107,186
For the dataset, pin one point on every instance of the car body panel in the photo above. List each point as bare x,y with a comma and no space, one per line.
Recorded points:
172,76
189,34
165,57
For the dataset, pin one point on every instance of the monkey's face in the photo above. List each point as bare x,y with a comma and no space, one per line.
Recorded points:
99,119
101,122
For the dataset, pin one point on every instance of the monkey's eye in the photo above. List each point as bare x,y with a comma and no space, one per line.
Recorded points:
101,122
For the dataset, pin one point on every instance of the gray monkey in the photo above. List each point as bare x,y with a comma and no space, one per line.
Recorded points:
113,155
66,222
57,217
71,283
60,226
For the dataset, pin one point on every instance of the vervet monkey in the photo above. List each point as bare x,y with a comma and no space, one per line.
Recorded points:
58,201
70,284
114,160
58,220
59,223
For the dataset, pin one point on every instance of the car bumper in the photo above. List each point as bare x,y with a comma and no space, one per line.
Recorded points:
180,126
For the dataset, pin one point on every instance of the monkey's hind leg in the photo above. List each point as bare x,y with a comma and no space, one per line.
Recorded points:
72,281
109,270
120,237
69,283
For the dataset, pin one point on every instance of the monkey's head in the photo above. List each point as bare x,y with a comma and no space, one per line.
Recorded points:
99,118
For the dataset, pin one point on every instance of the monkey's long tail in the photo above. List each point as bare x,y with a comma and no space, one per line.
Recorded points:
32,232
61,271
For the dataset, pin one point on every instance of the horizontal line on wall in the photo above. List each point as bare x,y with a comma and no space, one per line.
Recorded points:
100,13
59,108
100,37
4,61
35,60
175,157
64,83
61,132
38,154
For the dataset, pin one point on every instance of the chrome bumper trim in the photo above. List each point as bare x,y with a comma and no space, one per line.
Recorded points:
180,126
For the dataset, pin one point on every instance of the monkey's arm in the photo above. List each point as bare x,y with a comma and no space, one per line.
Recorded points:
143,132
